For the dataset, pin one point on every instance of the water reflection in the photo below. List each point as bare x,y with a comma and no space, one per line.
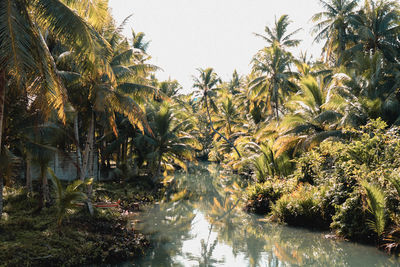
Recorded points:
209,229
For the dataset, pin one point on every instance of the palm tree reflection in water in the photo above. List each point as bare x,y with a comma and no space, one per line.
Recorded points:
205,226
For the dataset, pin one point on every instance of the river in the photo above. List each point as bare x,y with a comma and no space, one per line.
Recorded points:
203,225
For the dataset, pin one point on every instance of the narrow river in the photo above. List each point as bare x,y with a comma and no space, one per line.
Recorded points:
209,229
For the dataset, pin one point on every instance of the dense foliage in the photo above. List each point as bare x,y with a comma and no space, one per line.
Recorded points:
316,140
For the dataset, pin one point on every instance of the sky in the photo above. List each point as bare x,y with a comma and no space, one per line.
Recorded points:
190,34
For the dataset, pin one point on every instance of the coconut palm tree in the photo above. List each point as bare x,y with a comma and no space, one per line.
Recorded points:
333,25
172,143
311,120
235,83
206,87
170,88
278,35
377,29
24,55
227,121
138,41
273,80
26,64
116,85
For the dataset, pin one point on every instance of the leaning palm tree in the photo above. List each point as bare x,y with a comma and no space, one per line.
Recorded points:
206,85
333,25
278,35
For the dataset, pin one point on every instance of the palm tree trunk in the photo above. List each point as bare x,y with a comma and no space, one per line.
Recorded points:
131,148
2,101
126,149
1,195
212,127
44,192
118,154
276,102
89,144
90,154
28,175
158,171
78,147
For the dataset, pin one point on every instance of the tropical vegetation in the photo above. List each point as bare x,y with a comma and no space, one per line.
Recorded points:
315,142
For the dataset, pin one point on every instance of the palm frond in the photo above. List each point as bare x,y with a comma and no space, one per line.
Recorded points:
376,206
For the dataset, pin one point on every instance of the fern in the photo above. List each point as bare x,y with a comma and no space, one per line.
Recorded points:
376,206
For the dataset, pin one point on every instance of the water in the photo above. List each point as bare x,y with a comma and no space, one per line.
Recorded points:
213,231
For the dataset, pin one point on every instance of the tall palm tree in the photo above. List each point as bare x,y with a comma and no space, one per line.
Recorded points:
333,25
235,83
377,29
26,64
171,141
278,35
206,85
138,41
24,55
227,117
273,81
117,85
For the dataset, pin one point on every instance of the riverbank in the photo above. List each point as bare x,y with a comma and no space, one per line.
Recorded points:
208,227
350,187
31,238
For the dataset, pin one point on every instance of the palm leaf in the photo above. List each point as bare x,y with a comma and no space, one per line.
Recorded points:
376,206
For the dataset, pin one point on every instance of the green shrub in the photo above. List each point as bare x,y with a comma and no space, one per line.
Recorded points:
302,207
351,219
261,196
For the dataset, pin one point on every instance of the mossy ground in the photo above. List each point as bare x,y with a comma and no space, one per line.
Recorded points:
32,238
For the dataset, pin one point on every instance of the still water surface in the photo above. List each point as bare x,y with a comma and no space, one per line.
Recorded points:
213,231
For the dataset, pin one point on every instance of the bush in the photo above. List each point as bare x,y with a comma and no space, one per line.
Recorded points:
350,220
261,196
302,207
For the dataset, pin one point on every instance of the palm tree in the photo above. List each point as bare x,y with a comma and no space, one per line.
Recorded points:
370,87
311,120
206,85
25,58
170,88
24,55
138,41
227,117
377,29
172,141
333,25
273,81
235,83
278,35
117,85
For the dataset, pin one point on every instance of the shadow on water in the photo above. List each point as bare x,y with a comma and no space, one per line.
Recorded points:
209,229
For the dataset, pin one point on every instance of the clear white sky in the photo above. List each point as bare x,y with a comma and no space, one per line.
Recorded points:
190,34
